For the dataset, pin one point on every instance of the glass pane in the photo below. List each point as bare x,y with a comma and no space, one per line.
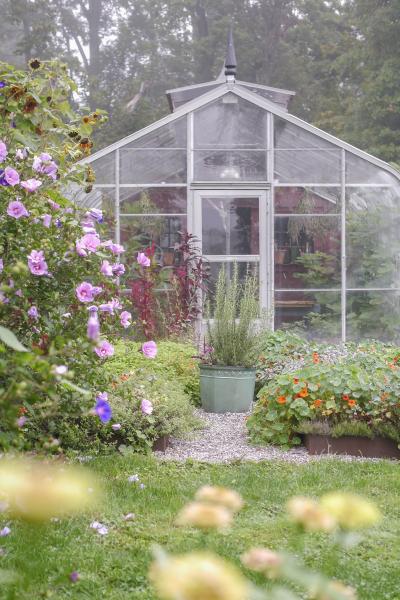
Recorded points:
359,170
372,237
230,225
288,136
304,156
230,122
104,169
307,252
172,135
308,166
317,314
289,200
373,315
230,166
215,267
140,232
152,166
153,200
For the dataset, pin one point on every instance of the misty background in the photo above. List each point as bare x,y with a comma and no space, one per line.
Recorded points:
342,57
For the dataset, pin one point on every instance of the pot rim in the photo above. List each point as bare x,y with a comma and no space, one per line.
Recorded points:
226,368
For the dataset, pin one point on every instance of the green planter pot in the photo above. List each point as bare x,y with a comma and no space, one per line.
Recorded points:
226,389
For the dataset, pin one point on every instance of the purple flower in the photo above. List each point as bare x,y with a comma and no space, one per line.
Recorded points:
133,478
143,260
11,176
102,396
46,220
93,326
2,84
53,205
111,306
1,265
37,264
106,268
125,319
88,243
74,576
17,210
33,313
104,349
146,407
118,269
19,293
149,349
31,185
103,410
96,214
3,151
5,531
21,154
114,248
116,426
99,527
86,292
21,421
45,164
3,298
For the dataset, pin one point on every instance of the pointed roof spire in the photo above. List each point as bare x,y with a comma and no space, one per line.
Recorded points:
230,60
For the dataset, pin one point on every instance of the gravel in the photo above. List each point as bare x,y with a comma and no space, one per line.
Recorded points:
224,440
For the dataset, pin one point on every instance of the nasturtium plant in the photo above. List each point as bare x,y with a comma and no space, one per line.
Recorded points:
362,386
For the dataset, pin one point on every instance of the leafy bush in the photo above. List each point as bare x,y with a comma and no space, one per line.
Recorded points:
175,362
232,336
131,429
364,386
277,348
52,257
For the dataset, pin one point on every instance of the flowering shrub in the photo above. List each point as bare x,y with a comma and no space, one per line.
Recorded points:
57,276
362,387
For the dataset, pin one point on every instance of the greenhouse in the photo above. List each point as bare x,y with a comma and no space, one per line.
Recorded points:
315,218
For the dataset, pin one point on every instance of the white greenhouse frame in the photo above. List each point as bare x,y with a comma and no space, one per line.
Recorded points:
265,189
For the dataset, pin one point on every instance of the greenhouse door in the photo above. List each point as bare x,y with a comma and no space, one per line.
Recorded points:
232,226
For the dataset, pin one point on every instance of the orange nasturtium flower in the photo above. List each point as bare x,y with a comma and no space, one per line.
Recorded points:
317,403
315,357
281,400
303,393
345,397
352,402
295,381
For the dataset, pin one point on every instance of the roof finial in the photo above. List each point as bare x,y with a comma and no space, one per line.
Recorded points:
230,61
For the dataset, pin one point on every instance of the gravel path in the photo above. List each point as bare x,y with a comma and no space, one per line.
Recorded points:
224,440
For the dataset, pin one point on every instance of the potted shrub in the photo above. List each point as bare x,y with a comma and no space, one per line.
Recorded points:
227,373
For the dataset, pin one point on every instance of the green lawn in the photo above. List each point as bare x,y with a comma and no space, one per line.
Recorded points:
115,566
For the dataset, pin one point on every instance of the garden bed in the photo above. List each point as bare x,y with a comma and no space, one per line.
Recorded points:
352,445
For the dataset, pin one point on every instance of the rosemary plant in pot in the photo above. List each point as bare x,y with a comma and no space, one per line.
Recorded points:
227,373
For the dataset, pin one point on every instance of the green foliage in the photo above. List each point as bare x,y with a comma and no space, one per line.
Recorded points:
364,386
276,349
232,335
36,118
175,362
77,431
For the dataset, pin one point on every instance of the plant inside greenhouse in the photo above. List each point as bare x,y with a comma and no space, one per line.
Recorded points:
199,299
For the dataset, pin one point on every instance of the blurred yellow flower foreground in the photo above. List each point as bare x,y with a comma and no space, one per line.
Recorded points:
198,576
35,491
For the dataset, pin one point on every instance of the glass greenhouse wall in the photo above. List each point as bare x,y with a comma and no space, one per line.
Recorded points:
317,220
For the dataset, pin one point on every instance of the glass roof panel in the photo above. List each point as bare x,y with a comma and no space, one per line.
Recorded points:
172,135
230,123
104,168
144,165
361,171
